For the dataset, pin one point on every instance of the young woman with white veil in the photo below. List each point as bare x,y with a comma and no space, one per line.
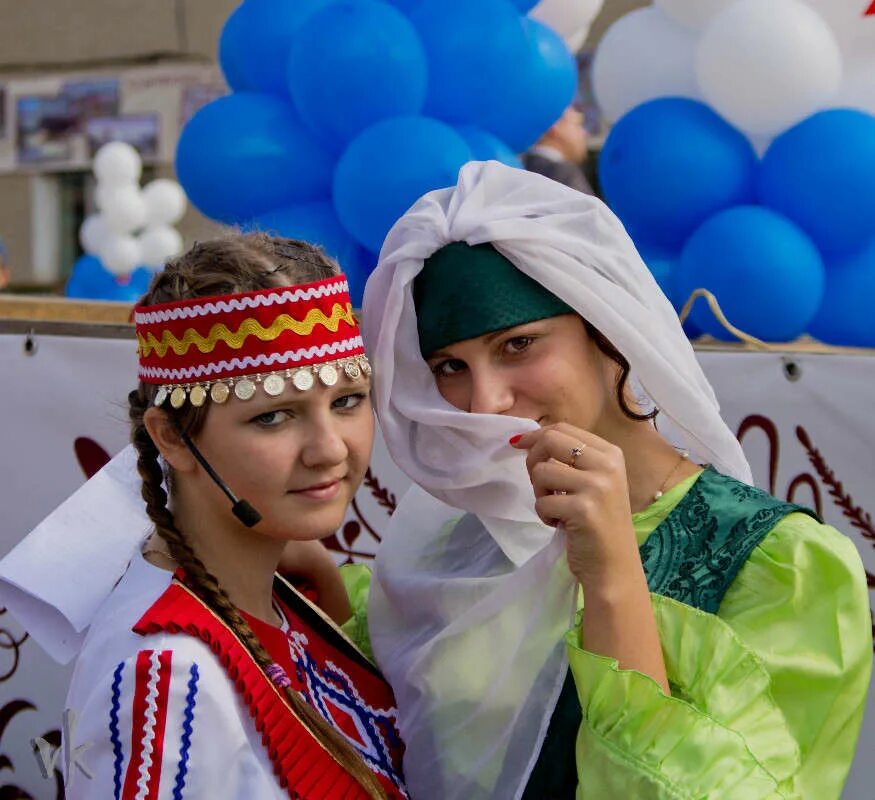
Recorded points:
721,644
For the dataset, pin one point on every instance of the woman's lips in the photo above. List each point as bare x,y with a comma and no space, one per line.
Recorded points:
320,491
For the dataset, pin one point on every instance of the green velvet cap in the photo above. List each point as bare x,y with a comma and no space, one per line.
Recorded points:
465,291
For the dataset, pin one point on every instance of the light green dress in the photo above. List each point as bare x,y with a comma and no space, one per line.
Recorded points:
767,694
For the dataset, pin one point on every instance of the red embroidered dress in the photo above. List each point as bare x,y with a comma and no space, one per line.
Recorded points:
336,680
169,705
323,666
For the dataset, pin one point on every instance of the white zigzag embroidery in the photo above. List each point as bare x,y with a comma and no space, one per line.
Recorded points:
149,729
250,362
321,682
240,304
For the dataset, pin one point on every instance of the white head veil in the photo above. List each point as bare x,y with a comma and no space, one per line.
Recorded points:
467,620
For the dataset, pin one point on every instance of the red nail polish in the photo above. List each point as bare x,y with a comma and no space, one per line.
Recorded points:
515,439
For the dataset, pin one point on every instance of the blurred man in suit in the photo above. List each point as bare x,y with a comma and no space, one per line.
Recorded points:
560,152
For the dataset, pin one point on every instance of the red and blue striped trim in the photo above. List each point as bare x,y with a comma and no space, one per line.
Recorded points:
151,692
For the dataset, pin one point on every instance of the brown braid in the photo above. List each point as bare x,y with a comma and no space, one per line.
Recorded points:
236,264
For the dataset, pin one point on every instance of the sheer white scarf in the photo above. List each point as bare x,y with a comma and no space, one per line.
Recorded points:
467,620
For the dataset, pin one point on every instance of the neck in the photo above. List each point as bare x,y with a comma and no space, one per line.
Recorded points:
242,560
652,464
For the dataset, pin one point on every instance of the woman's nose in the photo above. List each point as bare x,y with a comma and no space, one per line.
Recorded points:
324,445
490,394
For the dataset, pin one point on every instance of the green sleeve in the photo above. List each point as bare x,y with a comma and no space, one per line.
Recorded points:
811,630
357,580
767,697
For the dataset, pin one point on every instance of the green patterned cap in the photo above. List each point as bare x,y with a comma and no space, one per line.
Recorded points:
465,291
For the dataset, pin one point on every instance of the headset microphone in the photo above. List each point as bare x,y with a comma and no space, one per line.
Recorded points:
240,508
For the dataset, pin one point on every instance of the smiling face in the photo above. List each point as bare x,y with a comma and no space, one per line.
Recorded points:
549,371
297,458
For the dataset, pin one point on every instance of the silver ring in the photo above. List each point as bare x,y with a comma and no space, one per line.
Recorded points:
576,452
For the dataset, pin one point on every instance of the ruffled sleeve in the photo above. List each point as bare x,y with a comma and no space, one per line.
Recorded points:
357,580
767,697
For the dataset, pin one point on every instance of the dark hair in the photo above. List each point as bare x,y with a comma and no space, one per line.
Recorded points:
618,358
238,263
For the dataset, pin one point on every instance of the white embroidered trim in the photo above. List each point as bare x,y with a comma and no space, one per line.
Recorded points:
263,360
149,728
240,303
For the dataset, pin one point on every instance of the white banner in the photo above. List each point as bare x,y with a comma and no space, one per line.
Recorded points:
806,422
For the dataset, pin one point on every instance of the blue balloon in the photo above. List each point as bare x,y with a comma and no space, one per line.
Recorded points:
130,288
232,51
89,280
535,91
473,48
386,169
671,163
316,223
374,69
845,316
405,5
357,271
244,154
255,42
486,147
767,275
525,5
821,174
663,265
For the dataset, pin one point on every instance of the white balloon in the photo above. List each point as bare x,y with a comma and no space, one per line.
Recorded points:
93,233
571,19
165,202
693,13
117,163
767,65
858,85
121,254
158,244
643,55
123,208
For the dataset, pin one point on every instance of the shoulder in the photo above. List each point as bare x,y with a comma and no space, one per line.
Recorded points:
162,667
806,545
117,658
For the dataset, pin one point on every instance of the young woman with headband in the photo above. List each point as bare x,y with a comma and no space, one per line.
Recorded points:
203,674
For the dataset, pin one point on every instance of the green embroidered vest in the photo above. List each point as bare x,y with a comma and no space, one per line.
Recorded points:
693,556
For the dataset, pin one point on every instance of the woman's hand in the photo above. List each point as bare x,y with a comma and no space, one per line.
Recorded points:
312,562
580,483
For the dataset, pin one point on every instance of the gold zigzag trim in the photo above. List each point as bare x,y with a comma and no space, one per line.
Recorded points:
249,327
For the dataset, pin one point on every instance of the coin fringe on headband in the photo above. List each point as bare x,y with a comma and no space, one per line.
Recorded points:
272,383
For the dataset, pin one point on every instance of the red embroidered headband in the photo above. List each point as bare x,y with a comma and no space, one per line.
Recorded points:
211,346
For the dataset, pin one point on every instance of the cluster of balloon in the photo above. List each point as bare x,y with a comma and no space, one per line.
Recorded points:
344,112
743,158
133,232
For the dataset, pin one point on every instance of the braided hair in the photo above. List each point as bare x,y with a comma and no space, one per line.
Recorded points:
237,263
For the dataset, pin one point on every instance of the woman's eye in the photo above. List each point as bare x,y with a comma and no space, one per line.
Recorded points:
452,366
270,419
518,344
349,401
